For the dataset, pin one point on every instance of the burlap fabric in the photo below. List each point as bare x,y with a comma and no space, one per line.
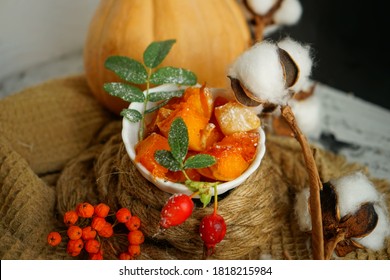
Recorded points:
59,147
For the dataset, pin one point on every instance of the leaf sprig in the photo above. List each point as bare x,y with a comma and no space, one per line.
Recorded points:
175,159
133,73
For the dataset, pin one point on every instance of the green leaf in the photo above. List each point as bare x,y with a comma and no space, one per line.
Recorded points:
178,139
127,68
199,161
166,159
158,106
164,95
124,91
173,75
132,115
156,52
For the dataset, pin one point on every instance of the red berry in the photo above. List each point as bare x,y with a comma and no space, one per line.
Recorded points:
133,223
70,218
177,209
85,210
88,233
74,232
135,237
134,250
124,256
98,223
102,210
212,230
123,215
74,247
106,231
54,238
92,246
96,256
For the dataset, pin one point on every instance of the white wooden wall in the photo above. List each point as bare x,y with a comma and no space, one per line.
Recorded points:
36,31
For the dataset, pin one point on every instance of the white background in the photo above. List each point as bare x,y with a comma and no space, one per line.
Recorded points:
33,32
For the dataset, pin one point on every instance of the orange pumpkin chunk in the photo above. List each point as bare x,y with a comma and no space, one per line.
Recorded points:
234,154
200,100
233,117
145,153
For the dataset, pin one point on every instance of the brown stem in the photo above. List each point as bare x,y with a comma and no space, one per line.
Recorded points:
331,244
261,21
315,184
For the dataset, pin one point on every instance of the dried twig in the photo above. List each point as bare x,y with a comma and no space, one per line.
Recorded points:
315,184
262,21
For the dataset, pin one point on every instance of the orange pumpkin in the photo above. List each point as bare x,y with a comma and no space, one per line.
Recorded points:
209,35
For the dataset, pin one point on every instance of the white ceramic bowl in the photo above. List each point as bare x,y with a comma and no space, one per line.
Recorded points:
130,139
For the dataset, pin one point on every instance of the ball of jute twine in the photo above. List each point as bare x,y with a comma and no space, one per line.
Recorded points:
259,213
105,173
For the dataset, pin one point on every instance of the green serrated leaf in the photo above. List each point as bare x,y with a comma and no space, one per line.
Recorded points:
199,161
124,91
156,52
127,69
132,115
164,95
158,106
178,139
173,75
166,159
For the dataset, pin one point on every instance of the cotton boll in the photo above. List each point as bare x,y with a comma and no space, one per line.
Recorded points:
375,240
270,29
301,56
352,191
261,7
308,115
302,210
260,71
289,12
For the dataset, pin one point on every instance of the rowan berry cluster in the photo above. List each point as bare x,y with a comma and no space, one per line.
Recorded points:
88,227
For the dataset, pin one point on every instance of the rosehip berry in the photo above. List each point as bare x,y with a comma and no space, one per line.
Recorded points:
54,238
177,210
70,218
88,233
212,230
74,232
136,237
123,215
102,210
133,223
85,210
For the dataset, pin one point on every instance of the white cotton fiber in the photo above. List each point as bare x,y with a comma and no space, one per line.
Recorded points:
375,240
308,115
260,71
289,12
302,57
352,191
302,210
261,7
271,29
